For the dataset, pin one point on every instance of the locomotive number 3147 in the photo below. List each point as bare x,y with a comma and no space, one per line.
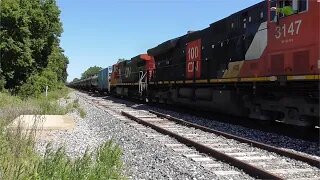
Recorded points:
285,30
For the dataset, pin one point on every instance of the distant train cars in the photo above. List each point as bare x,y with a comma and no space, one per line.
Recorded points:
255,63
98,82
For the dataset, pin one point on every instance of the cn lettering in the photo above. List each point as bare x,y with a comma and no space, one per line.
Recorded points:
127,72
191,66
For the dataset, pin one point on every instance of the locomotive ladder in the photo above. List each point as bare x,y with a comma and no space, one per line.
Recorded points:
143,85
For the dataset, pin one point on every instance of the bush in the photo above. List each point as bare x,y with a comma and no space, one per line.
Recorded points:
36,84
51,108
61,91
7,100
2,82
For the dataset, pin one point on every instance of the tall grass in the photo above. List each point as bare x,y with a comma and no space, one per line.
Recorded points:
19,160
13,106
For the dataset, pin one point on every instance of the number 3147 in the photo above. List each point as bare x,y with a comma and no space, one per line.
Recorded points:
285,30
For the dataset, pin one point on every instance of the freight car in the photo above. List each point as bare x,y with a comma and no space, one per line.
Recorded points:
85,84
99,82
103,83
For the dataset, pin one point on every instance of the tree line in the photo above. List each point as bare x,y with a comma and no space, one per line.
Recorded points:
31,57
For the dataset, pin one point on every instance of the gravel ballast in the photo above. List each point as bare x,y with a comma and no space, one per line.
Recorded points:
149,158
292,144
296,145
144,158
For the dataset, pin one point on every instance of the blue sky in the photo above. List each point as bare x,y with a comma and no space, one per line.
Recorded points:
99,32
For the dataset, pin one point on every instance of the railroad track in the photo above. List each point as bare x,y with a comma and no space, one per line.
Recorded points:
211,148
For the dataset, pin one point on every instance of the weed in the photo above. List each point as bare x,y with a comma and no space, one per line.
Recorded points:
19,160
82,113
76,103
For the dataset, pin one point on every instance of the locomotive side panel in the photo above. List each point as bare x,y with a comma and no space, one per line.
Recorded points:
169,60
130,71
219,52
209,66
121,71
114,75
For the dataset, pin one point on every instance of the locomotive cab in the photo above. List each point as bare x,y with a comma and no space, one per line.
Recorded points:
292,56
293,38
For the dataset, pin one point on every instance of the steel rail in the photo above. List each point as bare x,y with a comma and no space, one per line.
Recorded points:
283,152
248,168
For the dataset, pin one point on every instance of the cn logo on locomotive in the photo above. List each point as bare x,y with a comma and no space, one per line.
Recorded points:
127,72
193,59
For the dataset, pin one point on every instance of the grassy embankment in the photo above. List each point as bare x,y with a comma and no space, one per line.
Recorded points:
18,159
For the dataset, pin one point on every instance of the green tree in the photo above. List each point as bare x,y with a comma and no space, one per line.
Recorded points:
2,81
30,45
15,45
36,84
58,62
90,72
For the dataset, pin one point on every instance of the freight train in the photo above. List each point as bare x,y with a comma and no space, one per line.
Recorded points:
256,63
98,82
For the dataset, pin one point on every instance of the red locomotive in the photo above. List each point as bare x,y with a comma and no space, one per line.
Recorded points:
255,63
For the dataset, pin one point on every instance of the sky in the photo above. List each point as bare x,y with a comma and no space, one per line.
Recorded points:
99,32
